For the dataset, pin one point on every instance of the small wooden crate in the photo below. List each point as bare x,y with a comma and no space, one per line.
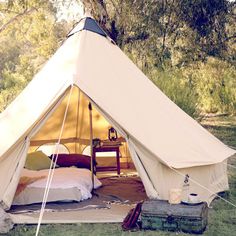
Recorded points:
160,215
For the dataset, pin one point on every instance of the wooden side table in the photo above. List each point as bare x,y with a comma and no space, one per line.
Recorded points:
109,149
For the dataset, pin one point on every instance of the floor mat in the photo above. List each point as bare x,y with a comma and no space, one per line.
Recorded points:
129,189
111,202
115,214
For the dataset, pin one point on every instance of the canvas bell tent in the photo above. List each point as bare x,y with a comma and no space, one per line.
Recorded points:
165,144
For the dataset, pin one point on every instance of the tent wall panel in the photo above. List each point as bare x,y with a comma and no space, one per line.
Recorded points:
10,169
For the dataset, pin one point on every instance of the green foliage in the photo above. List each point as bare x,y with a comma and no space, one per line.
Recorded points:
28,39
200,88
177,86
167,30
185,47
216,86
208,19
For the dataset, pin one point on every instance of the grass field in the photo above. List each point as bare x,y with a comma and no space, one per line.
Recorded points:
222,217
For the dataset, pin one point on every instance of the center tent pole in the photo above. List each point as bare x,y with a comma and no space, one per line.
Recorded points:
91,143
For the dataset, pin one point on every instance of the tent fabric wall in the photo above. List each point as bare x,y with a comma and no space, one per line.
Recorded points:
10,168
203,180
160,135
27,110
14,160
76,124
76,135
148,185
46,87
145,116
213,179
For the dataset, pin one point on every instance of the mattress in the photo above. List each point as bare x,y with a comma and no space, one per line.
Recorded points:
68,184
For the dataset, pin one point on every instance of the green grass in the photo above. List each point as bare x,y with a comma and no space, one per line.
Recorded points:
222,217
223,127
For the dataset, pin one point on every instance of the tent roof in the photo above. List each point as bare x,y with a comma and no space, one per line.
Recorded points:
87,24
122,92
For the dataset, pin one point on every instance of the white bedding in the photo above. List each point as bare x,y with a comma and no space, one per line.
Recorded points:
64,180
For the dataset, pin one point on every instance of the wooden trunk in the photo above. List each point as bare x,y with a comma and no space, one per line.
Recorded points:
160,215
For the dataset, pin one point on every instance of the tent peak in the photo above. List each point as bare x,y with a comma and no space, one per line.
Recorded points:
87,23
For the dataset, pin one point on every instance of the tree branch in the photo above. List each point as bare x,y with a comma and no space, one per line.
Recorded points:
142,37
9,11
16,17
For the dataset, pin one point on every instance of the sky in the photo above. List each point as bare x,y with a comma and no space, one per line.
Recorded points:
70,10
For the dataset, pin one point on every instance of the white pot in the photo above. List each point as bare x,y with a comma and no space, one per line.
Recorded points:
193,198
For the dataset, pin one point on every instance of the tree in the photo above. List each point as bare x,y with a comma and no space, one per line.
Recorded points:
183,46
28,37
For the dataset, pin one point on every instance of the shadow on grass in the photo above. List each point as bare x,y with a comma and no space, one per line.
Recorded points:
226,134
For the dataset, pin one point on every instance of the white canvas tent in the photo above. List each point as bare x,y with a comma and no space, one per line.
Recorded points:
164,142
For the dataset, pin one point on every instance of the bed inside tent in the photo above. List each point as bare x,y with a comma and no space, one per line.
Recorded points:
65,133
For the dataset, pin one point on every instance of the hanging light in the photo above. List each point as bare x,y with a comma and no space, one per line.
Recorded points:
112,134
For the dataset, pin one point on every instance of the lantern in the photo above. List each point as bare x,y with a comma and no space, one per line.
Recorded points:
112,134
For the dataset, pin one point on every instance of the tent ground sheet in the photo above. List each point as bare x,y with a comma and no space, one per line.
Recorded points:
110,203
